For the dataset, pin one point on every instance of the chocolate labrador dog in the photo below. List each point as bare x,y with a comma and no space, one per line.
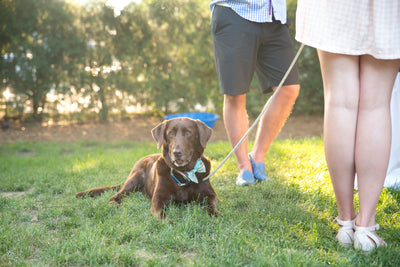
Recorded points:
175,175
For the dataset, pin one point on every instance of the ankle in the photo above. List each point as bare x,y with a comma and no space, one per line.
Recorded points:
345,217
244,167
257,158
361,222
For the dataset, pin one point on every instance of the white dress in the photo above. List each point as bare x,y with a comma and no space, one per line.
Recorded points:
351,27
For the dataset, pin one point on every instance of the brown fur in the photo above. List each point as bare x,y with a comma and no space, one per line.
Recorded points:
183,142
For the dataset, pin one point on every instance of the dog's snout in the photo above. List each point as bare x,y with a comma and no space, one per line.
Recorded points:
177,152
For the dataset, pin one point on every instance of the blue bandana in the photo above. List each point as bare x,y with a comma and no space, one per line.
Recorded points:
190,176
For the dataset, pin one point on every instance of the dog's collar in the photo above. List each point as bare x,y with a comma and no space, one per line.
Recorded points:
190,176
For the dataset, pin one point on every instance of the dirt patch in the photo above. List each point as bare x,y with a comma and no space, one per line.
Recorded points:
11,194
14,194
136,128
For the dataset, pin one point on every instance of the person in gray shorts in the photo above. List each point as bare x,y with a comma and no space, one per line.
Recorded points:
251,36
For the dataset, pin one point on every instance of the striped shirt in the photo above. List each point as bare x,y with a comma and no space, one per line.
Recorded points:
256,10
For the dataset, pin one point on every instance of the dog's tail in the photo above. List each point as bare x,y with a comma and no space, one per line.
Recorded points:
97,191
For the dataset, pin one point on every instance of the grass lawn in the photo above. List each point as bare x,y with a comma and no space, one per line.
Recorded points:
287,221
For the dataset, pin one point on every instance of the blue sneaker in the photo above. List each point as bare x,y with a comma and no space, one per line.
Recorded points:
259,170
245,178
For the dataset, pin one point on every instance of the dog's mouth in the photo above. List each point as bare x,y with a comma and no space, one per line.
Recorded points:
180,162
180,156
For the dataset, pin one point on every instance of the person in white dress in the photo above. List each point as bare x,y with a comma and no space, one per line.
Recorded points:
358,45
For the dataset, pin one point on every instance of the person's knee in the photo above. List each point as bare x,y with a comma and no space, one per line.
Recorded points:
235,101
290,92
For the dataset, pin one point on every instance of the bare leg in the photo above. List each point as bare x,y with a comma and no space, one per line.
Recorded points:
357,130
373,137
273,120
341,90
236,124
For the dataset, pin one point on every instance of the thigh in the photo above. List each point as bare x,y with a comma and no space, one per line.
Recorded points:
235,50
340,74
377,79
275,55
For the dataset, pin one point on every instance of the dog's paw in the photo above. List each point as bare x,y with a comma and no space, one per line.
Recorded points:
114,203
213,212
115,199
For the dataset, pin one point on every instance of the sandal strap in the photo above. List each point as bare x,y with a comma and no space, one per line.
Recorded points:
345,224
367,229
368,232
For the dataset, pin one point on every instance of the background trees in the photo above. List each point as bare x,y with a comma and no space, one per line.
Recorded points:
40,50
155,56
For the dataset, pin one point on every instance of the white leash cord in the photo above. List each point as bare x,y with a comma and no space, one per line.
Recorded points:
261,114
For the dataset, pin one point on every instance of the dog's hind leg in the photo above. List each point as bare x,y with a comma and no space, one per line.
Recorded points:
97,191
135,182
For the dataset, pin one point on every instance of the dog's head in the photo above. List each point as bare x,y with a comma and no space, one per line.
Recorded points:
183,141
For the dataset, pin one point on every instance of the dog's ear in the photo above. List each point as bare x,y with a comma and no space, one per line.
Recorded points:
158,133
204,133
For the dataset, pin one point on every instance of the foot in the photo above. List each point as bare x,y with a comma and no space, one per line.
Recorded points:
258,170
245,178
345,235
366,239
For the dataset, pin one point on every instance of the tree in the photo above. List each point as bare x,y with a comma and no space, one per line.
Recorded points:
157,53
170,53
14,22
181,75
311,98
41,56
133,42
99,27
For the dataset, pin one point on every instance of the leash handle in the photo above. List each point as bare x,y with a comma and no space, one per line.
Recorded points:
260,115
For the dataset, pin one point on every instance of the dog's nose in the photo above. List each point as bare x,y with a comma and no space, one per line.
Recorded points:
177,153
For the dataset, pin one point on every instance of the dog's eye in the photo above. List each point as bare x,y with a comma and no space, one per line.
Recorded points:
187,133
171,133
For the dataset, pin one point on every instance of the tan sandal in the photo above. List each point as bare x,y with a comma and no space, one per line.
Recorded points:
345,235
365,240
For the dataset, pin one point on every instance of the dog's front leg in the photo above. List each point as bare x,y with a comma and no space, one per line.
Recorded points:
212,205
158,205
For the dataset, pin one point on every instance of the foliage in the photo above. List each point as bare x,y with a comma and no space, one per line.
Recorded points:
173,55
285,222
155,54
39,58
99,26
311,98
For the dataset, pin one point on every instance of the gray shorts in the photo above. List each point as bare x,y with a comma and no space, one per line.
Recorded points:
242,47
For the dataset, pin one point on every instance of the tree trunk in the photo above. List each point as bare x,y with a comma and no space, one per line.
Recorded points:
36,101
103,115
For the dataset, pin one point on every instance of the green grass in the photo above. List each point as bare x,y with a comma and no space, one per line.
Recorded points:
285,222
